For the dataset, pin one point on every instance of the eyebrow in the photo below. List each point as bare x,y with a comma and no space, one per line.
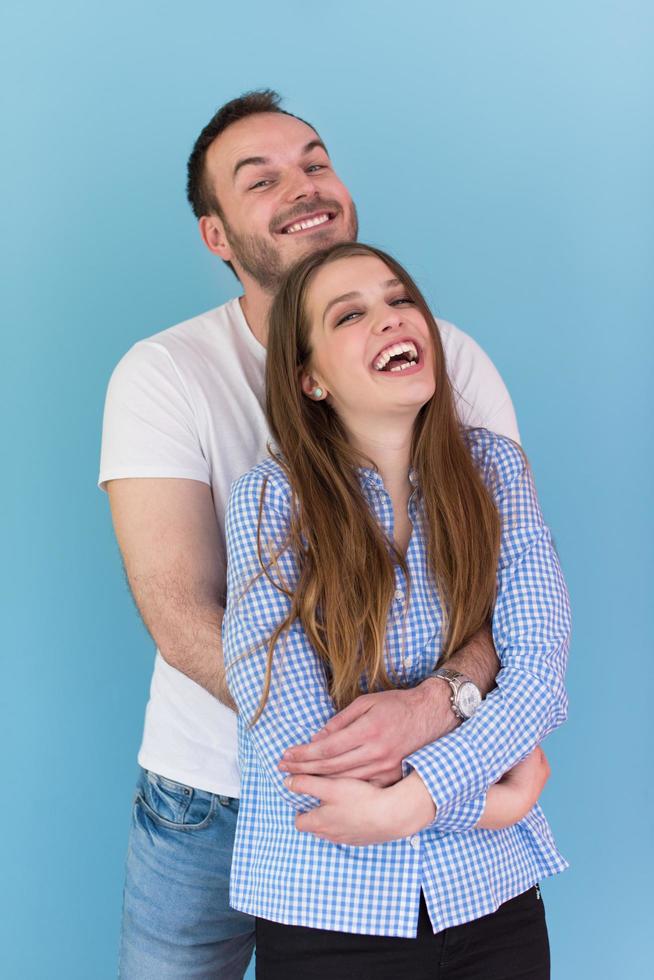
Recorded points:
354,294
263,161
250,162
313,145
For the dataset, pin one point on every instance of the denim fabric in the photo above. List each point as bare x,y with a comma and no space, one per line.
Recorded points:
176,916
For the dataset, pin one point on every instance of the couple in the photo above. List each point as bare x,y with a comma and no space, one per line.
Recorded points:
373,461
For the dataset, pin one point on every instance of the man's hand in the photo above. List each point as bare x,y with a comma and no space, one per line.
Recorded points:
369,738
355,812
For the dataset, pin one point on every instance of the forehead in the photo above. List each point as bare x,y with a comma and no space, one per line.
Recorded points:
356,273
267,134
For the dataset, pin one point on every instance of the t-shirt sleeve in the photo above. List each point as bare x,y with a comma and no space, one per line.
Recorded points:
482,399
149,427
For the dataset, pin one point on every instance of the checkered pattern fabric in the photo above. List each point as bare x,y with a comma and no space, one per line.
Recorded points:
281,874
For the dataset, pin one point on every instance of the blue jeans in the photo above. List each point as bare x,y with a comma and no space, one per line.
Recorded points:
177,922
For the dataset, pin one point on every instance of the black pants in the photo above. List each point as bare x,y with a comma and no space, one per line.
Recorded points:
509,944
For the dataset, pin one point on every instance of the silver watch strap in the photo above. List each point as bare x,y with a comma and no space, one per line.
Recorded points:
451,675
456,681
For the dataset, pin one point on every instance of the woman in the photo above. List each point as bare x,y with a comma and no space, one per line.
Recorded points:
374,492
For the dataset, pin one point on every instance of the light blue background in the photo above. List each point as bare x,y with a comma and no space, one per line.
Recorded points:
504,152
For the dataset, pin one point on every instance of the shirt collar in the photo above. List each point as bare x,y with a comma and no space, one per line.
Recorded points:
369,477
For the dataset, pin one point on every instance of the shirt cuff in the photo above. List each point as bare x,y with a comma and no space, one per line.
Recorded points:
454,778
455,817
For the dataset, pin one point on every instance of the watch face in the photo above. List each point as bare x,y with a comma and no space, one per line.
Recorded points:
468,699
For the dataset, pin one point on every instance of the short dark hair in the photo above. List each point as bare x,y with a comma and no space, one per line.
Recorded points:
200,194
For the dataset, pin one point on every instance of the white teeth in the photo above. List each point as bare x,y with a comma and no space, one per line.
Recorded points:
404,348
310,223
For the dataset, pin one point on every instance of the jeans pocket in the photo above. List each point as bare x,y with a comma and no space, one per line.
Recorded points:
173,804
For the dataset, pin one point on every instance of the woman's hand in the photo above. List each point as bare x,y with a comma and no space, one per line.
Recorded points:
353,811
510,799
356,812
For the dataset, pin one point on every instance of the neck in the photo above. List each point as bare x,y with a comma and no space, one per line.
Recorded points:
256,303
387,442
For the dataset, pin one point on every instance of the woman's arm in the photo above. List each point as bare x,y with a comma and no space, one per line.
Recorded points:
517,792
355,812
531,630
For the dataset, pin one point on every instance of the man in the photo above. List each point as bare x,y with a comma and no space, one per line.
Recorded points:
184,418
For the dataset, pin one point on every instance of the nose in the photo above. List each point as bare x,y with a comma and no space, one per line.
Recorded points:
300,185
387,320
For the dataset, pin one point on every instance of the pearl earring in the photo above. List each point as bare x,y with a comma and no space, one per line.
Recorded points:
317,392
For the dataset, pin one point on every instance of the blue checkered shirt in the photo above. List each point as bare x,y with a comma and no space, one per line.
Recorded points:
281,874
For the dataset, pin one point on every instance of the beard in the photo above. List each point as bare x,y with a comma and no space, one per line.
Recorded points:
259,258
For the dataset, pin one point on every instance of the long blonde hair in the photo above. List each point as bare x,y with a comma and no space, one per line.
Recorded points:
346,562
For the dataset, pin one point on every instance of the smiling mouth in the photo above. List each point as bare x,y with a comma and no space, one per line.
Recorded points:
317,220
398,357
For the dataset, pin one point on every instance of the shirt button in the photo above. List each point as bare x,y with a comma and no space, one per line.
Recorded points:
414,842
399,595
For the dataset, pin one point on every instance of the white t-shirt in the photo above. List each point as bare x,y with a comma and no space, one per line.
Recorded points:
189,403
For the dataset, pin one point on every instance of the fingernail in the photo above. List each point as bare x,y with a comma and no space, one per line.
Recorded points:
288,782
283,767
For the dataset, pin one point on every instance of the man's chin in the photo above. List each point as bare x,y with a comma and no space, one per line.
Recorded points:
320,238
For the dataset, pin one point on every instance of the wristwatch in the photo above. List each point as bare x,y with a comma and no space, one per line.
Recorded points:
466,696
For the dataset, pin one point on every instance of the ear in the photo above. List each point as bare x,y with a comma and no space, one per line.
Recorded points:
212,232
309,383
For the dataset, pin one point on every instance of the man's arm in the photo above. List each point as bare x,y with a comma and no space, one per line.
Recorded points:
370,738
478,660
168,537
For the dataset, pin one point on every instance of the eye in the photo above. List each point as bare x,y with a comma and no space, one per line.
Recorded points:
260,183
316,166
402,299
347,317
